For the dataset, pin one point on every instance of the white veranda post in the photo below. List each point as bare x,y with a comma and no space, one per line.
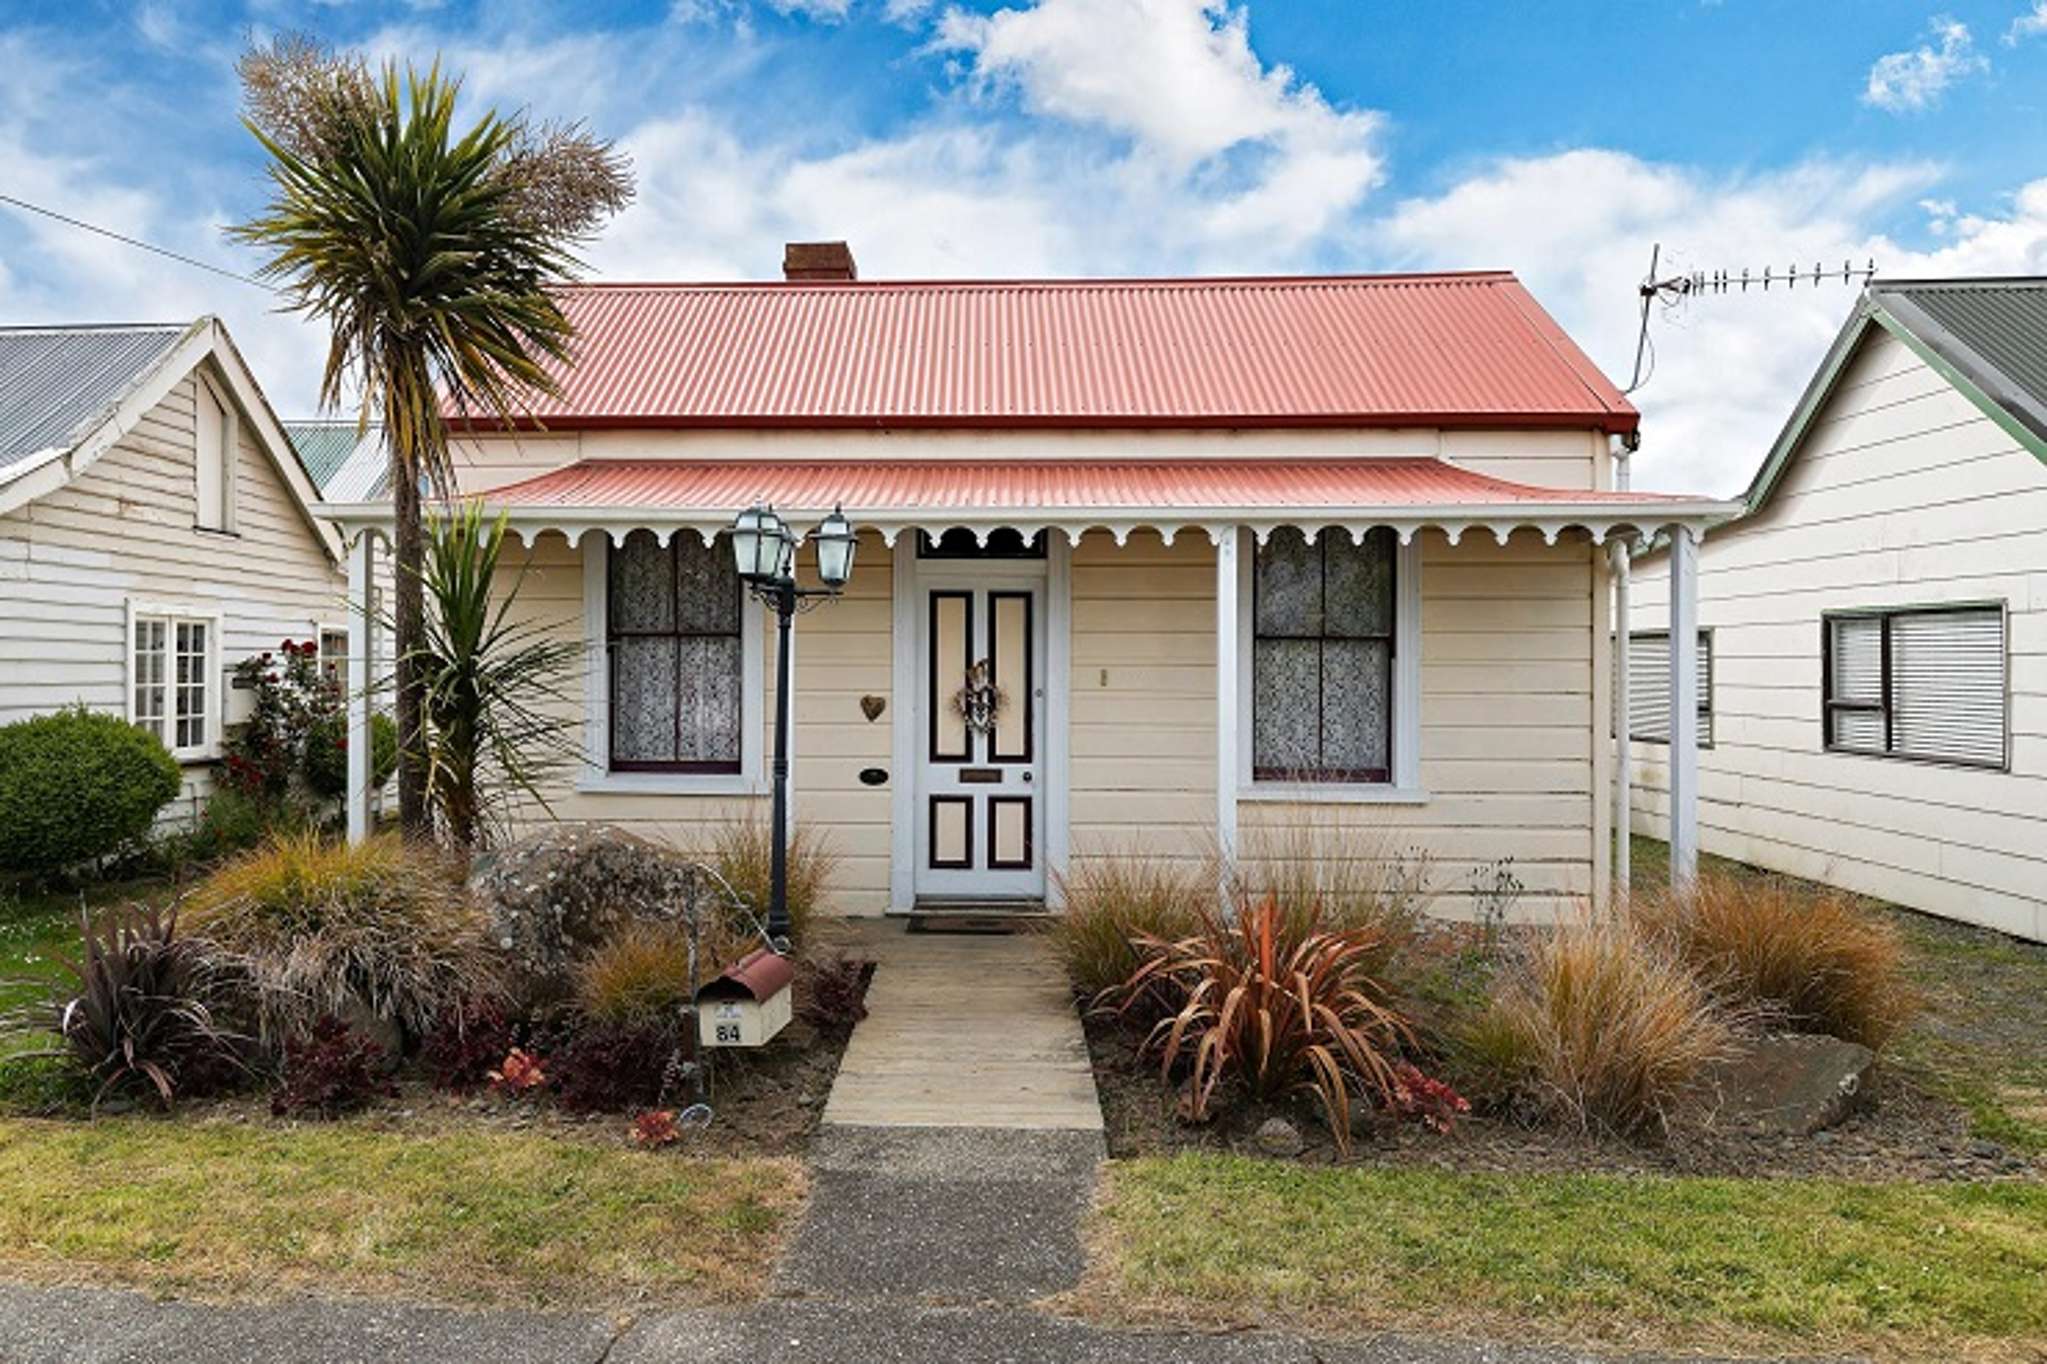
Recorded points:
362,634
1622,774
1227,702
1684,706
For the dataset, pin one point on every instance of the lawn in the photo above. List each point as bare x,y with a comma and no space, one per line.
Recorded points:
221,1208
1901,1269
1981,1039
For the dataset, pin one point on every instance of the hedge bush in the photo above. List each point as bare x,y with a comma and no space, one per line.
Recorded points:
77,785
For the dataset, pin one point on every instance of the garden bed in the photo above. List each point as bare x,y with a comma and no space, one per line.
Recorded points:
1910,1133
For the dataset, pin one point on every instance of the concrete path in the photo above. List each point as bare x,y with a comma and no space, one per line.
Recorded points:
964,1030
104,1326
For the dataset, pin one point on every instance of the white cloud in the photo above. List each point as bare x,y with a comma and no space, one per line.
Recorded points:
1577,227
1912,80
829,11
2031,24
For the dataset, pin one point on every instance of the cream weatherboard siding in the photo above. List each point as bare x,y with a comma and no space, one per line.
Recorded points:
72,560
1903,494
1513,692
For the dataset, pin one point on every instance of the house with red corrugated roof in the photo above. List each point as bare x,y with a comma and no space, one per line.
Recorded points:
1142,566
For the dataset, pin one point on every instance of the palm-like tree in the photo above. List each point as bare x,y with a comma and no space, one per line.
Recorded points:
429,252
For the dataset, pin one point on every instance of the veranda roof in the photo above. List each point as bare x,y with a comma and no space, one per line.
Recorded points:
1071,496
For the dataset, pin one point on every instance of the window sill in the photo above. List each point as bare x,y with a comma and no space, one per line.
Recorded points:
1330,793
671,784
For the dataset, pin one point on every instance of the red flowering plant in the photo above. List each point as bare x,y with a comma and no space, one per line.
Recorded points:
293,698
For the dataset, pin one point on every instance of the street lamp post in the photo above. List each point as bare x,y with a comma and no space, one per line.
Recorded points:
764,549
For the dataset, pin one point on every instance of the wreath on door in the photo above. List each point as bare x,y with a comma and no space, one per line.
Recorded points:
980,702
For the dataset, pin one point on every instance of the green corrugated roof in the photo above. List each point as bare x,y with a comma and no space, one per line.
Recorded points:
322,447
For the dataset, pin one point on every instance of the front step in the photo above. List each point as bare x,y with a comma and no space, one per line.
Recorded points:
977,916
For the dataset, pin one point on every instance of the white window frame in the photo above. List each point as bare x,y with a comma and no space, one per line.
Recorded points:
227,453
595,774
1406,786
173,615
322,629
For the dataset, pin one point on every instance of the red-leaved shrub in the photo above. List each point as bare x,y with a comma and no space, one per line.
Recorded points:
329,1071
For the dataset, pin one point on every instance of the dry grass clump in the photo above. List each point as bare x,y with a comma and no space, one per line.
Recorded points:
1805,958
1112,900
642,975
742,851
314,927
1337,878
1599,1023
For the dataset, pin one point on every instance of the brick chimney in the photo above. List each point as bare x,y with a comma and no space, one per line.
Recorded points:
803,261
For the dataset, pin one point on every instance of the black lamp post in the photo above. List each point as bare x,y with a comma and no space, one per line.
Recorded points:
764,548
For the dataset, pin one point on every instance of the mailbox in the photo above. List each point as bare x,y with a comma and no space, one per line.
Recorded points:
748,1004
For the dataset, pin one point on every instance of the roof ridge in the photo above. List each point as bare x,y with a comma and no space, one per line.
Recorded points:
25,328
1065,282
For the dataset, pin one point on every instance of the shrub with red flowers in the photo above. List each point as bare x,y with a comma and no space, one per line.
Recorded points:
292,695
1425,1098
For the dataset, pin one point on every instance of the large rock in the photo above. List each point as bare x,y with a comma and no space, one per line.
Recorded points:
1794,1085
557,893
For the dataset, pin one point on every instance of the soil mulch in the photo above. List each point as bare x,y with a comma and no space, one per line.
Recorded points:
1907,1134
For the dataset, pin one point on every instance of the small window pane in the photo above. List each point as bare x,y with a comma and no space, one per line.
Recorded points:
707,586
1859,729
1286,693
1289,585
642,585
1354,707
1358,600
709,674
1858,670
644,699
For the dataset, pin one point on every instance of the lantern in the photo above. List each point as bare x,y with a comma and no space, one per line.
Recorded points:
761,545
835,544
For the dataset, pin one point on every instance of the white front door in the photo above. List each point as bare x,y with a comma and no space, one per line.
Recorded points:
981,774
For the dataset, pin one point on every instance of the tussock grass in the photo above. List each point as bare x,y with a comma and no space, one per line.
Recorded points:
1111,900
1601,1025
642,976
313,925
474,1218
1807,957
1896,1270
742,851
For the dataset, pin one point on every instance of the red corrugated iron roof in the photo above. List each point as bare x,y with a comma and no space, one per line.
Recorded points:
1372,350
869,486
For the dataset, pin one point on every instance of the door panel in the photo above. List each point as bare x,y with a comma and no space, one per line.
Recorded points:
981,665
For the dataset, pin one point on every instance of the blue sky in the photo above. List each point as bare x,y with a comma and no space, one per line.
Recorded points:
1126,137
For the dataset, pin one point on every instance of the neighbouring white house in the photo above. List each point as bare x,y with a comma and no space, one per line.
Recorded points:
155,528
1143,566
1873,628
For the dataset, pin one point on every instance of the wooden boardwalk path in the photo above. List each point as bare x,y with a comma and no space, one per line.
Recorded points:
964,1030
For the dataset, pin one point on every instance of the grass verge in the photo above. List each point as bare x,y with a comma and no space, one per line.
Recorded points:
1901,1269
225,1209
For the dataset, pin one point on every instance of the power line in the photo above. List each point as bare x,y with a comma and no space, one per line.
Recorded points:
131,241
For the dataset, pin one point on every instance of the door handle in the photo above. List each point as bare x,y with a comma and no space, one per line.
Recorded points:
1027,776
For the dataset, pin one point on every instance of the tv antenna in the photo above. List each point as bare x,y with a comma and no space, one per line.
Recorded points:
1674,291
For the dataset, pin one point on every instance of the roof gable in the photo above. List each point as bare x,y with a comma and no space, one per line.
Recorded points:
204,341
1986,337
1377,350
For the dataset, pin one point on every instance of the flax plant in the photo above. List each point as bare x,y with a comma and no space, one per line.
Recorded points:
429,252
